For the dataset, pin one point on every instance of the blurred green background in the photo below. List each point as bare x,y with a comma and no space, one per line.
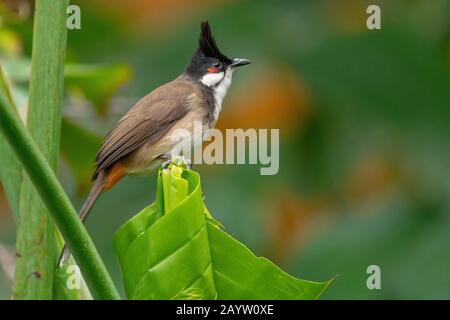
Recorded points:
364,119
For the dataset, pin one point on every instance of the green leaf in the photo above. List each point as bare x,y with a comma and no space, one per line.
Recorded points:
78,148
172,250
10,168
97,83
18,69
242,275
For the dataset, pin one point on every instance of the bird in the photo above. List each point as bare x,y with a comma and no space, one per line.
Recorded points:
142,139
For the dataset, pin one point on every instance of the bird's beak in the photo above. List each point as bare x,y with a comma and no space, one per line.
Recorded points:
239,62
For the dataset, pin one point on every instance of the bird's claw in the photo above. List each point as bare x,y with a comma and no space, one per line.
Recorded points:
165,164
182,161
178,161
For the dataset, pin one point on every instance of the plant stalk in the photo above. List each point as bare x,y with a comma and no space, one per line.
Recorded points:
34,271
58,204
36,243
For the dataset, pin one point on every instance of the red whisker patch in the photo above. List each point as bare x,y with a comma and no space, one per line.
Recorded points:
213,70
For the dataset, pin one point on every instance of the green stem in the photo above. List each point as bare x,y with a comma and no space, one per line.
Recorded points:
34,271
58,204
35,263
11,178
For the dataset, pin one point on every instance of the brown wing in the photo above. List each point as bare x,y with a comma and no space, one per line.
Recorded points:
148,120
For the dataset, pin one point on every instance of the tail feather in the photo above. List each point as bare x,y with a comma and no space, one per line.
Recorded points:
84,212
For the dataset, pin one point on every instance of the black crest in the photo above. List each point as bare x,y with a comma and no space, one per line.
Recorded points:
207,45
206,53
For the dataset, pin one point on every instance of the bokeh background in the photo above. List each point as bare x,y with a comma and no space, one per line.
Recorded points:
364,119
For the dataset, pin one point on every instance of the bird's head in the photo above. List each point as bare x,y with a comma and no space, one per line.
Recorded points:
208,64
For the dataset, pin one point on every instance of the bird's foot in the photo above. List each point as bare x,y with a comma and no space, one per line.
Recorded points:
178,161
182,161
165,164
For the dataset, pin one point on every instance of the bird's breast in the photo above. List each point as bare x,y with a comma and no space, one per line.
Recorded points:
219,93
186,133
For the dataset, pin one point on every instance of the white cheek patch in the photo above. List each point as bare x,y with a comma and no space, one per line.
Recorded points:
211,79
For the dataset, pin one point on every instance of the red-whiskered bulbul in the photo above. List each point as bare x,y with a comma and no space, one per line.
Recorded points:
142,140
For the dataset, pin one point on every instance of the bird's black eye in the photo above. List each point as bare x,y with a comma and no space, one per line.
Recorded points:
217,64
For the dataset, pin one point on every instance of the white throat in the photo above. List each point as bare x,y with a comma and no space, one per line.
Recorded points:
219,83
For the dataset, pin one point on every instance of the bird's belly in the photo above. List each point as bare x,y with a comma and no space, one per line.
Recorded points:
187,134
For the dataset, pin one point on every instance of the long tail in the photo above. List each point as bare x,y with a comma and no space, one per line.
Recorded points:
95,192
